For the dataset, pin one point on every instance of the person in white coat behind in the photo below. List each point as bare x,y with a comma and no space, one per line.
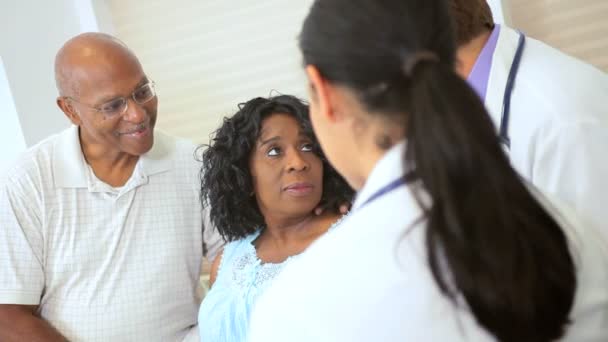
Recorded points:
549,108
457,246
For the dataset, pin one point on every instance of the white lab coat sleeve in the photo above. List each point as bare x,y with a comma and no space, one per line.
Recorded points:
570,162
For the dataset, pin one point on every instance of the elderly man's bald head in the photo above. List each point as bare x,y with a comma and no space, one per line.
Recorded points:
85,52
97,77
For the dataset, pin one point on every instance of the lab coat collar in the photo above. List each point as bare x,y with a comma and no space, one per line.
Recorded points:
388,169
499,71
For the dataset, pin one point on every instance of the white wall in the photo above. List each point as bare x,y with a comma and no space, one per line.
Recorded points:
11,138
31,32
103,16
500,11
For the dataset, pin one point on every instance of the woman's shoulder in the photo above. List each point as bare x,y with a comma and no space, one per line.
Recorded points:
239,246
235,256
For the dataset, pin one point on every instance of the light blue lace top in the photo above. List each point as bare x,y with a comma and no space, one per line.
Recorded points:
241,279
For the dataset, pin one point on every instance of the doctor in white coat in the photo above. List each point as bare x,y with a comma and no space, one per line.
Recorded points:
550,109
445,241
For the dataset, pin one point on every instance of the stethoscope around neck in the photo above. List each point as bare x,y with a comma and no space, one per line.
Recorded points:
503,132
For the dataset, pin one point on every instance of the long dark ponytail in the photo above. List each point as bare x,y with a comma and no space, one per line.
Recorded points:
505,254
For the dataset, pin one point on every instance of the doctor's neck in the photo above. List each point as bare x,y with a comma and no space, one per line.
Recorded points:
467,54
374,137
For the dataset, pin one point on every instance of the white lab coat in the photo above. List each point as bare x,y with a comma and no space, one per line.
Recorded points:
558,123
367,280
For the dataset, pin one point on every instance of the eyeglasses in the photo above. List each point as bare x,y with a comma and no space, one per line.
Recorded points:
118,106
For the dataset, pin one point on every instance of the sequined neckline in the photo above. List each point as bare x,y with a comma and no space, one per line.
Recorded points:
250,272
253,253
251,247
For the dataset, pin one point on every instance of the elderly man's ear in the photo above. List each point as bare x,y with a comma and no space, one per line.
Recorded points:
68,109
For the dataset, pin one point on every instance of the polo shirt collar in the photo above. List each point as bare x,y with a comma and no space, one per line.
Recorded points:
70,168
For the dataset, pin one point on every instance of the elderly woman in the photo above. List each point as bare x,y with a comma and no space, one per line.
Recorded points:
263,176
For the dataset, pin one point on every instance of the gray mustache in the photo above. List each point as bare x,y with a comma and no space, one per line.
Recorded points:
139,127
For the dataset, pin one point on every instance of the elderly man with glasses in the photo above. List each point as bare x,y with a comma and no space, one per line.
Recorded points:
101,233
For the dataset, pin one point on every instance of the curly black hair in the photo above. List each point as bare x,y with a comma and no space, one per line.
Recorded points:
226,182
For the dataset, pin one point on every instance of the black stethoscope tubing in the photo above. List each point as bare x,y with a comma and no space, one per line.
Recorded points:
506,101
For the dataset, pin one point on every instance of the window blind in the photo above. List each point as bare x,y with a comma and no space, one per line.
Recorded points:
208,56
579,28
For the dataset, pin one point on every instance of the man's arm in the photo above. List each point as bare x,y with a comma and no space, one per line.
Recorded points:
20,323
21,267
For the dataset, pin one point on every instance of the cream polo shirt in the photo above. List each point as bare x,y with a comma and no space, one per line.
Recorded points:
105,264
